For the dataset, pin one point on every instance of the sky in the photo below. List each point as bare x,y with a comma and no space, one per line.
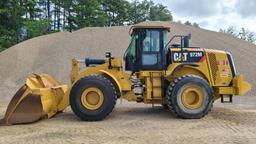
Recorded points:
214,14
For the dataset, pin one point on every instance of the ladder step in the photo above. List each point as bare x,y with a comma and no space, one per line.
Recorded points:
230,100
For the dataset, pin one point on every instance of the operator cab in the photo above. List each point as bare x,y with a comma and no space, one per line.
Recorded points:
147,48
150,48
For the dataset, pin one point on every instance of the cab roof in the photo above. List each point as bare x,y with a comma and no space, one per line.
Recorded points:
151,25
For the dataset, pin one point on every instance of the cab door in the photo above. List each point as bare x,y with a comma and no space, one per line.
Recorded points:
131,54
151,50
146,51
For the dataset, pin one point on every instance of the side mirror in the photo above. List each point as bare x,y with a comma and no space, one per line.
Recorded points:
189,36
108,54
186,40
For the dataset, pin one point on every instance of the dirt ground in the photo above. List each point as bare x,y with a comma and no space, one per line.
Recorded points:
132,123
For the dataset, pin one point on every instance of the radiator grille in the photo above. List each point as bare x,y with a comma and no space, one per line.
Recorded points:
213,65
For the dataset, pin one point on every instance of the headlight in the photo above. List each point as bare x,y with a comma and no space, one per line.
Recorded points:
232,64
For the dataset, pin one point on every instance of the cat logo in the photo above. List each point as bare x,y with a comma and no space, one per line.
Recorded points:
180,56
188,56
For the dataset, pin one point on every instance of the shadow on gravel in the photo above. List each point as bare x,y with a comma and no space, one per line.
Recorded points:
149,112
127,113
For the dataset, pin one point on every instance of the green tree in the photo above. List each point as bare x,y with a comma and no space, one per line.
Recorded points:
247,35
10,22
231,30
24,19
33,8
243,34
188,23
88,13
139,11
195,25
36,28
251,37
148,10
68,15
116,11
160,12
48,9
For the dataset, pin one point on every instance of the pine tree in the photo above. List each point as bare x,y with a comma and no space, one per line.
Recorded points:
10,22
88,13
24,19
116,12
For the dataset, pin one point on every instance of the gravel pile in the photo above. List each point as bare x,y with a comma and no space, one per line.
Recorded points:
52,53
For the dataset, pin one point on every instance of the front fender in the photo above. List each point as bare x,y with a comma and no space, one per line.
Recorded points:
116,75
120,78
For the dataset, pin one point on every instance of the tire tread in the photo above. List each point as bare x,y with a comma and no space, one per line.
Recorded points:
170,103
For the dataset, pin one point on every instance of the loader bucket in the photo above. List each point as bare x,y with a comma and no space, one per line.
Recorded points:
41,97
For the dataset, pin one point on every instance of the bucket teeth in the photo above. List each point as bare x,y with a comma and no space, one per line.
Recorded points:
39,98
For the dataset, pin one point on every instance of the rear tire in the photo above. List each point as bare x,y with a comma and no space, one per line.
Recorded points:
165,106
108,94
189,97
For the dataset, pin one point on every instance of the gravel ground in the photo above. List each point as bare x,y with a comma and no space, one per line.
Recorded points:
138,123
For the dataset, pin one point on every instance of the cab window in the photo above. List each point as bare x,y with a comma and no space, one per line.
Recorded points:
165,39
151,47
151,41
132,48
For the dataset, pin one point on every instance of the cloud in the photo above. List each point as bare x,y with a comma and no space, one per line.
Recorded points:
246,8
193,8
214,14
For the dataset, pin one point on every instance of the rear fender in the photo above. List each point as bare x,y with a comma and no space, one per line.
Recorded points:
180,69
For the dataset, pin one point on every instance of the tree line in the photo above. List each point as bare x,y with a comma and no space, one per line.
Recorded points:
243,34
24,19
188,23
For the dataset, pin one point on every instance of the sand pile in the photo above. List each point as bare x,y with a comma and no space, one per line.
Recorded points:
53,53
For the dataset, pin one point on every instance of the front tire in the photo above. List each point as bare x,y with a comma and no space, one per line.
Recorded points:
189,97
93,97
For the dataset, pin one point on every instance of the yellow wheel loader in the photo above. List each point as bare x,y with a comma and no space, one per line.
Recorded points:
183,79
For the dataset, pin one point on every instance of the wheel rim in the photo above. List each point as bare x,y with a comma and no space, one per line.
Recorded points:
92,98
192,97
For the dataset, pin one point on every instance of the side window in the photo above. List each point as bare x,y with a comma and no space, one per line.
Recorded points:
165,39
132,48
151,47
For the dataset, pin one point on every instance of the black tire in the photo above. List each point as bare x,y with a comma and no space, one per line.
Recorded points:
109,93
165,106
173,97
